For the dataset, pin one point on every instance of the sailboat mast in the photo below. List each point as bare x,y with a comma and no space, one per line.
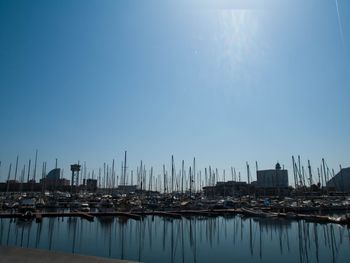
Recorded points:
182,176
248,173
28,171
310,173
172,174
8,179
16,168
35,163
194,171
141,171
124,176
113,175
190,182
164,181
324,172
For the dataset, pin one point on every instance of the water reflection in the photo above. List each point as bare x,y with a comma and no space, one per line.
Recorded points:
192,239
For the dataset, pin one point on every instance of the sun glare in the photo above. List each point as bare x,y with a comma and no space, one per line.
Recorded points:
237,37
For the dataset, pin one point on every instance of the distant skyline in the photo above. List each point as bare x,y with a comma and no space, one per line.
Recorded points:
227,82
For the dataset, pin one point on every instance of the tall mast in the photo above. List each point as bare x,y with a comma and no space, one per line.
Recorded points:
182,176
342,177
16,168
42,177
84,176
44,174
144,176
164,179
324,172
299,171
99,177
194,171
141,177
104,176
310,173
8,178
224,182
124,176
28,171
113,175
248,173
35,162
172,174
22,177
121,173
210,177
190,182
150,180
294,173
107,176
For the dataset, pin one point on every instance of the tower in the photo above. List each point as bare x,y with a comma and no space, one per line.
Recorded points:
75,168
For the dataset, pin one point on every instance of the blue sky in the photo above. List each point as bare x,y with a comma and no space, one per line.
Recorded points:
226,82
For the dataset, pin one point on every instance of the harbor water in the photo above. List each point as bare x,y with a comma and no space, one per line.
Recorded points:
195,239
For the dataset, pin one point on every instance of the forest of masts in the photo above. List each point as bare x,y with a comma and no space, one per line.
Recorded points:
181,180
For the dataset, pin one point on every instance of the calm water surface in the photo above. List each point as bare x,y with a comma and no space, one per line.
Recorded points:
156,239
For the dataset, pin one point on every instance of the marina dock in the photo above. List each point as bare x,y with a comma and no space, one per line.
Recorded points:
248,212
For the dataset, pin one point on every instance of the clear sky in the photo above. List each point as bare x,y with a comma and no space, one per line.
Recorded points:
226,82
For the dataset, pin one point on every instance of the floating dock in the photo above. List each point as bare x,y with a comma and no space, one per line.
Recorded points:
178,214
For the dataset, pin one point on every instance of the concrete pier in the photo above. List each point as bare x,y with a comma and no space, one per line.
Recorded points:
28,255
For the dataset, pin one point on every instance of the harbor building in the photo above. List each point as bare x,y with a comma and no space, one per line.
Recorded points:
272,178
341,181
54,175
90,184
229,188
53,180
